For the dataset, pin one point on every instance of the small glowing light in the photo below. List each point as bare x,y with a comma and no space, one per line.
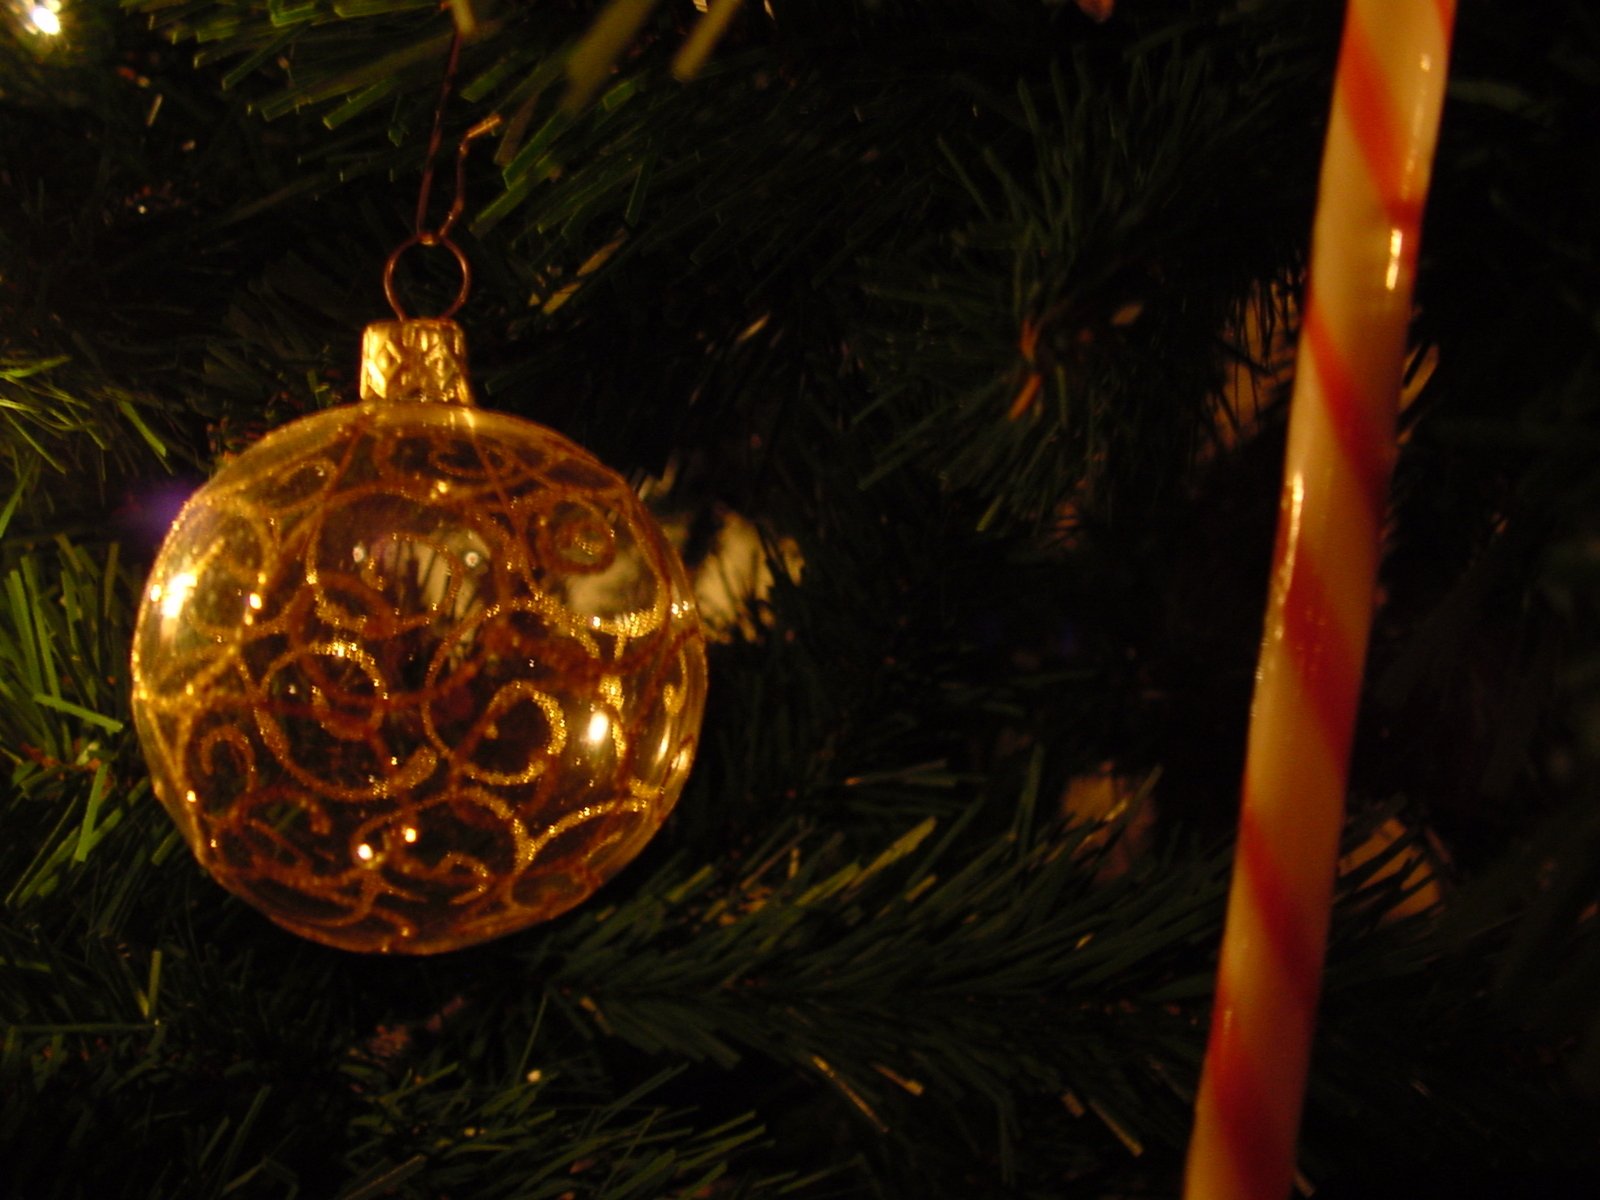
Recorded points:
364,852
472,558
441,486
359,553
255,601
599,727
44,20
535,1075
409,834
190,798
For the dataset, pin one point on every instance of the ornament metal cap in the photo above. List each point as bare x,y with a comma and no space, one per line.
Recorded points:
415,360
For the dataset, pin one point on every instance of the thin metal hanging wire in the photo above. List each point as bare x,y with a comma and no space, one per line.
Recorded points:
422,235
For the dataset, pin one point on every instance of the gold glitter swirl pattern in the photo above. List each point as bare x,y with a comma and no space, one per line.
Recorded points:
410,676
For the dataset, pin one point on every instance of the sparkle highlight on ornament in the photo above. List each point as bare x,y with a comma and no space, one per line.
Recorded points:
175,596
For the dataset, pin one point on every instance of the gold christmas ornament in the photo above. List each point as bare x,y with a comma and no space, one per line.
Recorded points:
411,674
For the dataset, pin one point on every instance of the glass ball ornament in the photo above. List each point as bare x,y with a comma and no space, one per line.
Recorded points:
410,674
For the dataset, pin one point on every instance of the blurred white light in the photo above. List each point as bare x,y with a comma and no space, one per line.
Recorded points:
44,20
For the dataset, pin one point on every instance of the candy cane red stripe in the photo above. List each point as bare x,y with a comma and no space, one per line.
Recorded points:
1364,93
1363,442
1299,958
1242,1108
1324,658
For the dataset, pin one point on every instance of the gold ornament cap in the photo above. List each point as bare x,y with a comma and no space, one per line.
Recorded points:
415,360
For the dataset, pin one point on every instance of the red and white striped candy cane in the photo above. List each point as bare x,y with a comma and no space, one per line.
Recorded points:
1387,95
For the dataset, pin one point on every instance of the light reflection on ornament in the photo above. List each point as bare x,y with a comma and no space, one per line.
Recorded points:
176,594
